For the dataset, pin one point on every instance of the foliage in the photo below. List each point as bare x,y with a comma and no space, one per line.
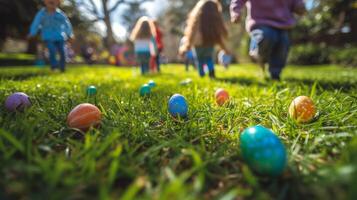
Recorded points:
345,56
132,14
140,152
310,54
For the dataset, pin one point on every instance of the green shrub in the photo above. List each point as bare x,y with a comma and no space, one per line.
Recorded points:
309,54
346,56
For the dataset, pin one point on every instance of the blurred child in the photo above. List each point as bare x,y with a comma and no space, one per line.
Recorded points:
188,56
205,29
268,23
160,45
143,36
55,29
224,59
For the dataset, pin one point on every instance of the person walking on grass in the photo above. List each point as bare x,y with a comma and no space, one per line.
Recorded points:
160,45
205,29
55,29
268,24
143,37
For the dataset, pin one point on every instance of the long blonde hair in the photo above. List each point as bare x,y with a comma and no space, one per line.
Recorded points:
144,28
206,18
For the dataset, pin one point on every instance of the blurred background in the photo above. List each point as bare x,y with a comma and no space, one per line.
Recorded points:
327,34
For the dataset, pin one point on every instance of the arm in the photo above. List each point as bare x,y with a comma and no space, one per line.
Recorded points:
68,27
299,7
154,47
235,9
36,24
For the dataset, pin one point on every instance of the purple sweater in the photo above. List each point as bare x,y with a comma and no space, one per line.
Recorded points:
275,13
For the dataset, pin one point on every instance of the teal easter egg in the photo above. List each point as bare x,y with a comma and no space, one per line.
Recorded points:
263,151
152,83
145,90
91,90
178,106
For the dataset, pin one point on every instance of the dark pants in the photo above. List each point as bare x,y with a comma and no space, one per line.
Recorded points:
158,61
143,59
204,56
270,45
53,48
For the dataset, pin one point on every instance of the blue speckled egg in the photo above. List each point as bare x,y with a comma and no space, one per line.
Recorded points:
263,151
178,106
152,83
145,90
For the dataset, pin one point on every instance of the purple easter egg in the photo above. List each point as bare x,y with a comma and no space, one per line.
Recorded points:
18,101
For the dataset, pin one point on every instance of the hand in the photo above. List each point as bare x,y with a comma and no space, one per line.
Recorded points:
182,52
235,19
71,39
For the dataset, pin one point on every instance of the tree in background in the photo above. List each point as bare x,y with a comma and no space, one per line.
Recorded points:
330,21
15,18
132,14
104,13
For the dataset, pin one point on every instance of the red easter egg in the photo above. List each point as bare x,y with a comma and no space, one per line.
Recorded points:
222,96
302,109
84,116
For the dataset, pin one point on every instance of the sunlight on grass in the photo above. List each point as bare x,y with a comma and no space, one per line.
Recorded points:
140,152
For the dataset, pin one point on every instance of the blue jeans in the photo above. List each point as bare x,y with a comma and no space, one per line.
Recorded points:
143,59
53,48
270,45
204,56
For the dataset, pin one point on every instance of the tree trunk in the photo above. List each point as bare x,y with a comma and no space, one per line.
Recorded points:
109,40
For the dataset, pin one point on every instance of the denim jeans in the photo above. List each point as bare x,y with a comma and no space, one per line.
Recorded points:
270,45
204,56
53,48
143,59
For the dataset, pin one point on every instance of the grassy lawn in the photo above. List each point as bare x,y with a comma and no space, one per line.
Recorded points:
140,152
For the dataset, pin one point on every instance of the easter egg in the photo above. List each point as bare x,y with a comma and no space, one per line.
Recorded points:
302,109
91,90
263,151
145,90
186,82
18,101
84,116
152,84
222,96
178,106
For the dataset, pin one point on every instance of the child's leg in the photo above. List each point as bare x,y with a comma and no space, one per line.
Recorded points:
52,51
61,48
201,64
158,63
142,67
146,67
187,64
279,55
210,65
263,39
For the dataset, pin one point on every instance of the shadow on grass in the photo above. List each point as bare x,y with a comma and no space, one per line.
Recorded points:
242,81
22,77
326,85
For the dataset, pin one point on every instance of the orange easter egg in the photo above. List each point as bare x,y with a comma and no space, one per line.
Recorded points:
302,109
84,116
222,96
